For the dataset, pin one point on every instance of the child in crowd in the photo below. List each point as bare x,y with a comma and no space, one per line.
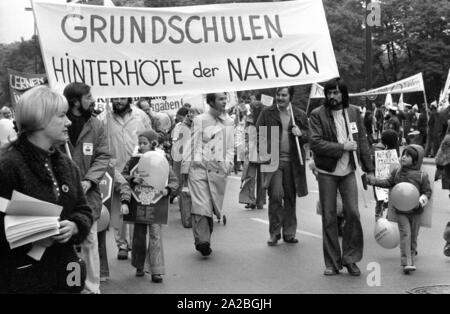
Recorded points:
389,140
151,255
409,222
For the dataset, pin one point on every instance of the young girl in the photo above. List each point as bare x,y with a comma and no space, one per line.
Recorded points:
409,222
151,255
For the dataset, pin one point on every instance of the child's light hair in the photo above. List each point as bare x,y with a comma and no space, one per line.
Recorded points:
36,107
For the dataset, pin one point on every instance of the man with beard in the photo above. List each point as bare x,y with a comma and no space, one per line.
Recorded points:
336,131
90,152
123,124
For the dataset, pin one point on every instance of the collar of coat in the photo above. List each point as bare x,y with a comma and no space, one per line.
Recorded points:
35,158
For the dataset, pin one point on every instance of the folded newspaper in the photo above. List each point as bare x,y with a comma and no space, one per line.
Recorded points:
28,220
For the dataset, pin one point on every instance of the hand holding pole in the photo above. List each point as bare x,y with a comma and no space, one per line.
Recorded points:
355,157
296,138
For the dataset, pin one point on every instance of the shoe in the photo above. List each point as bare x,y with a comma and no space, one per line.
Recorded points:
353,269
122,255
251,206
204,248
290,240
104,279
157,278
273,240
140,273
259,207
447,249
331,271
409,268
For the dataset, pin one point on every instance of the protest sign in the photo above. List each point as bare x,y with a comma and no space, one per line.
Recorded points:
385,162
20,82
130,51
266,100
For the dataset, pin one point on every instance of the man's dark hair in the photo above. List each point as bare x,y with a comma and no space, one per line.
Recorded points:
183,111
290,91
74,91
211,98
341,86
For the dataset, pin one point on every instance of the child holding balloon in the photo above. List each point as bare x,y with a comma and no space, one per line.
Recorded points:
408,221
150,255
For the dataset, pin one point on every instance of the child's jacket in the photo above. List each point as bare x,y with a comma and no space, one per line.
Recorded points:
412,174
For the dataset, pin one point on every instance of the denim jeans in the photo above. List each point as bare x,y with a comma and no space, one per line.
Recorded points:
409,226
281,190
352,238
148,255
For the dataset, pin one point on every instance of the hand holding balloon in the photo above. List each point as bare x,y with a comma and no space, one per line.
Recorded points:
423,200
139,178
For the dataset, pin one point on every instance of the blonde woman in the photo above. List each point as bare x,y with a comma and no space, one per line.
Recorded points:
34,166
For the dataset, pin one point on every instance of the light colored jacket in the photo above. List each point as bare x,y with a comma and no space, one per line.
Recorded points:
210,158
123,133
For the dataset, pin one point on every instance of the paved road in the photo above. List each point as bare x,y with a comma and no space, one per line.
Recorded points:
242,262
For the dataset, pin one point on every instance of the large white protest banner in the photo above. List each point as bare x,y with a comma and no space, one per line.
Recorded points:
410,84
185,50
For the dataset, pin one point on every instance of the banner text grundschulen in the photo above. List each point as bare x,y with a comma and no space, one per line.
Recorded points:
154,29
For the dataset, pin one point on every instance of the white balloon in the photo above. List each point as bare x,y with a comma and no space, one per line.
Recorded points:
386,233
155,165
404,196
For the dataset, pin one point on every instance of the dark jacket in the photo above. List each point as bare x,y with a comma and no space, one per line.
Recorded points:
413,175
271,117
444,116
443,162
92,163
433,125
327,151
22,168
393,123
422,124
